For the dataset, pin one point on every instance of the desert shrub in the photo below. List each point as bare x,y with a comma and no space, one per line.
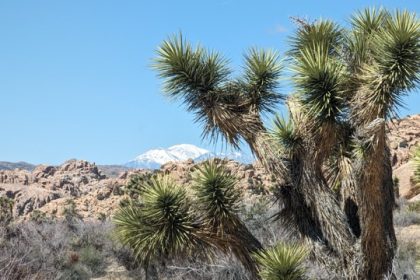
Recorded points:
258,213
102,217
404,265
259,188
257,207
92,258
6,210
70,212
135,185
223,268
54,251
414,207
406,215
38,216
75,272
124,202
406,218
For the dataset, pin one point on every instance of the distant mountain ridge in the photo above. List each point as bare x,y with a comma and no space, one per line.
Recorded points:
153,159
5,165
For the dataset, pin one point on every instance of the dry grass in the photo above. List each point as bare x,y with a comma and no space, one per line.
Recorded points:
407,214
83,250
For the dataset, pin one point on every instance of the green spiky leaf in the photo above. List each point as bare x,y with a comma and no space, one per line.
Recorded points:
284,261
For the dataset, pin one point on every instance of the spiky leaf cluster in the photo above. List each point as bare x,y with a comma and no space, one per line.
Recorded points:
216,194
319,74
396,47
390,68
319,79
359,43
163,226
262,71
322,34
189,70
284,131
368,21
218,200
201,79
284,261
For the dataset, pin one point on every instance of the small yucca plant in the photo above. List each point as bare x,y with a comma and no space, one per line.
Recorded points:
162,226
282,262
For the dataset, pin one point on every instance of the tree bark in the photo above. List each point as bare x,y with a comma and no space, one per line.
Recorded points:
312,203
376,204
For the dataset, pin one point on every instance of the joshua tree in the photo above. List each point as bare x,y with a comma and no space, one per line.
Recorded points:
332,152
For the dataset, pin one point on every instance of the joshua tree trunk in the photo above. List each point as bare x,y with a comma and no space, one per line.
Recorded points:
310,202
376,204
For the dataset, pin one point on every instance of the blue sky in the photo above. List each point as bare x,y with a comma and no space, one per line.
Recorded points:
75,77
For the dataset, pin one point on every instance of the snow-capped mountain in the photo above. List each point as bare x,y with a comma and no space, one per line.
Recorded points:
237,156
153,159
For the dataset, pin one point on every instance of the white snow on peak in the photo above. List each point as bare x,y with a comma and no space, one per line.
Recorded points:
186,151
153,159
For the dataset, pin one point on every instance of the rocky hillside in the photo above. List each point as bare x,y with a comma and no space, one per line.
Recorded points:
403,136
48,188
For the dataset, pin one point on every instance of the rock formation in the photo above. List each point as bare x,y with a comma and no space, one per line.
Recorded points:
403,136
